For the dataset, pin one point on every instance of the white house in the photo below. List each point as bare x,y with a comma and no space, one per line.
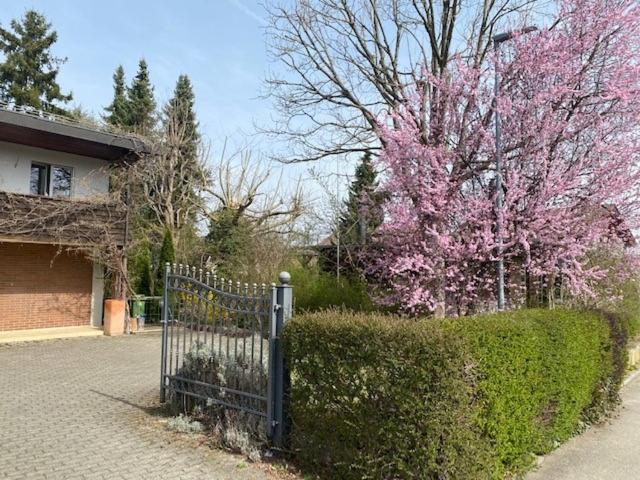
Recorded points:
45,161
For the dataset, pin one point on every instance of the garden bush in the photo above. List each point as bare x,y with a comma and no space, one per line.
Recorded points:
378,397
316,290
374,396
541,375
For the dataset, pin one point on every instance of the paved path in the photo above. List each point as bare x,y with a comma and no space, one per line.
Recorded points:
79,409
607,452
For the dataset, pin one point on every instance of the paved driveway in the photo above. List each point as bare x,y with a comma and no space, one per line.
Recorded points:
80,409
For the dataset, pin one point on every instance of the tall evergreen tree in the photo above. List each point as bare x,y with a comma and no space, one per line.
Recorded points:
362,212
167,255
140,267
29,71
181,110
118,110
142,105
180,126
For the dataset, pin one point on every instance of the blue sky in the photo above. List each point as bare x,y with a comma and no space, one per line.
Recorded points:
218,43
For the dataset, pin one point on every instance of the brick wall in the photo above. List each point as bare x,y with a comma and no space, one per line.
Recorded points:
41,287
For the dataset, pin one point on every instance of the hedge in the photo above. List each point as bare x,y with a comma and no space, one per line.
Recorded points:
378,397
375,396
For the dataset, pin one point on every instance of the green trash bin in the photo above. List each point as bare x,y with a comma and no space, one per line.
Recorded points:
137,307
138,311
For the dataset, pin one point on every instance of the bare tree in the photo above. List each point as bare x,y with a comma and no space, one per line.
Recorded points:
253,213
166,186
253,192
347,61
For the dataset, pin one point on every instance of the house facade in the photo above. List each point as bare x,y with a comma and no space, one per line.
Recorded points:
54,180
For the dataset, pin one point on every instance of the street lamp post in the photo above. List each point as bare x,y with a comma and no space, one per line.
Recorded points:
497,40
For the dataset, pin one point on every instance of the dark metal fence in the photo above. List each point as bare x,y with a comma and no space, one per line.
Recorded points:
221,343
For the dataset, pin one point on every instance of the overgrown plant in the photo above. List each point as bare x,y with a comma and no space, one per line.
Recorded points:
235,429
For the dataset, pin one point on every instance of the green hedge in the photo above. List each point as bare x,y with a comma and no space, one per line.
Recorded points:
374,396
378,397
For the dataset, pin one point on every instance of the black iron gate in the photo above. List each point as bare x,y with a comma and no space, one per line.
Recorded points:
221,343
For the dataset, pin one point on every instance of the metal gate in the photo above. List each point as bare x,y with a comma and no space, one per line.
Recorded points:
221,343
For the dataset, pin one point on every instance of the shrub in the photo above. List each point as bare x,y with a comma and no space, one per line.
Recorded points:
184,424
373,396
316,290
628,306
378,397
540,374
205,364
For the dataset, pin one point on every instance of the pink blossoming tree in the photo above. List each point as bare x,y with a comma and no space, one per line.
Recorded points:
570,108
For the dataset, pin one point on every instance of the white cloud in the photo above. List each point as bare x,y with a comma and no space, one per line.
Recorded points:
247,11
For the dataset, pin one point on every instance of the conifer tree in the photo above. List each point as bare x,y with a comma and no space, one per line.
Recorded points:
143,267
29,71
167,255
142,104
118,110
180,125
181,110
361,212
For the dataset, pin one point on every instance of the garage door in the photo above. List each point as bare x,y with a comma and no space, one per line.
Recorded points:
42,287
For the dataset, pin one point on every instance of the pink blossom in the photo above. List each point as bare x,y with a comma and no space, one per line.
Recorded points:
570,105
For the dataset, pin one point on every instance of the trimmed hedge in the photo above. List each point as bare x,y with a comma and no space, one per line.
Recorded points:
374,396
378,397
540,375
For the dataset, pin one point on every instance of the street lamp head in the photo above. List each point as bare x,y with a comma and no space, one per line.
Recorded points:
503,37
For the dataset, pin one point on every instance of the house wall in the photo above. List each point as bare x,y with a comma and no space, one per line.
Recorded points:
41,287
90,175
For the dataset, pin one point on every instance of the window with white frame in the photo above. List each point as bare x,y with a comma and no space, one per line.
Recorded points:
50,180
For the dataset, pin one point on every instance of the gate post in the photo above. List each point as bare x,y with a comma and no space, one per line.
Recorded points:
165,324
278,376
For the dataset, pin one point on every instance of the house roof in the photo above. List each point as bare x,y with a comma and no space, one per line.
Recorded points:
28,126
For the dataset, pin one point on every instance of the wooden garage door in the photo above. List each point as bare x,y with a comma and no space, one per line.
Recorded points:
42,287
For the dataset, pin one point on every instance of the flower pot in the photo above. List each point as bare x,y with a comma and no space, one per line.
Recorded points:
114,315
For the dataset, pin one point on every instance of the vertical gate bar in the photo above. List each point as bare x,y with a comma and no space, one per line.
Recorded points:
165,320
179,327
192,295
265,318
199,291
184,297
206,308
271,421
254,312
238,307
214,299
171,336
245,308
228,312
280,380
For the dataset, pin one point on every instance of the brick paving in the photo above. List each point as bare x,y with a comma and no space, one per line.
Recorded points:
86,408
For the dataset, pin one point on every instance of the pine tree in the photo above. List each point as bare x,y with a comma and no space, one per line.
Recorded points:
141,103
180,126
180,109
118,110
167,255
142,267
361,213
28,74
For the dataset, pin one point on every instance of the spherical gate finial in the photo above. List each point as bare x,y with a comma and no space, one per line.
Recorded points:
284,278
